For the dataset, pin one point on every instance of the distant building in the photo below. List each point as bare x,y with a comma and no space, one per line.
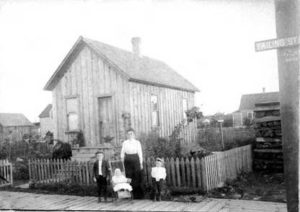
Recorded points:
13,126
46,120
247,106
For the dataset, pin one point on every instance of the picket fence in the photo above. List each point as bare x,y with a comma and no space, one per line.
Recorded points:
206,173
6,173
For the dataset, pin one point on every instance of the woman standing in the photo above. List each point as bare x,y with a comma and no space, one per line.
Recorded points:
132,157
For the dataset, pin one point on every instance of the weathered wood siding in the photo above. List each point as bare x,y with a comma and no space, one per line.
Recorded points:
88,77
170,108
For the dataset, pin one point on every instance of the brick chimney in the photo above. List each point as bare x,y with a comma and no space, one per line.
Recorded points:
136,41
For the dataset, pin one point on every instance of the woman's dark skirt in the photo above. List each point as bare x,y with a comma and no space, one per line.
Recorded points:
133,171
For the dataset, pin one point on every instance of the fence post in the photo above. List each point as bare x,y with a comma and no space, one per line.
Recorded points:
188,171
182,167
29,169
87,173
173,172
204,174
178,172
193,172
11,174
198,172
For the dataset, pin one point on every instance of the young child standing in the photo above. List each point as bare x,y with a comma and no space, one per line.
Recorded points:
101,175
158,174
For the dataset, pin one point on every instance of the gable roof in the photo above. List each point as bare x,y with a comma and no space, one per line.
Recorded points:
46,112
14,120
248,101
140,69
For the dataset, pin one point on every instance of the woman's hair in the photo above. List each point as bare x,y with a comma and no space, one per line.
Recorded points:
130,130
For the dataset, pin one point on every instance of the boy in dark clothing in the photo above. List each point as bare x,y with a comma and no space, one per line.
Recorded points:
101,175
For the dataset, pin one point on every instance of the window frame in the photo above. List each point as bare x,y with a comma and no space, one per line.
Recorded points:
154,110
77,129
184,102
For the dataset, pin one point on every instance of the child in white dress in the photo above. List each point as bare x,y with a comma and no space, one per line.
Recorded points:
120,182
158,174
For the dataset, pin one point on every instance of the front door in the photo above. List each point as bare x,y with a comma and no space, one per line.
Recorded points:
106,119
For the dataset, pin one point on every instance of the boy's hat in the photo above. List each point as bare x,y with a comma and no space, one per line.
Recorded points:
99,152
160,160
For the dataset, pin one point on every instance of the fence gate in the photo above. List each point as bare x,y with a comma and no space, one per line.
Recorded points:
6,175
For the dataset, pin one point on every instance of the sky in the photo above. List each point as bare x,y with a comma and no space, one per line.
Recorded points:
209,42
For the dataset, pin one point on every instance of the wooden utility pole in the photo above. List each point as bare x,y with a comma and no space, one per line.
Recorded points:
287,45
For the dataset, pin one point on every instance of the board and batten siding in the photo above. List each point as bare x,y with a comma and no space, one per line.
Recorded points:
170,108
89,77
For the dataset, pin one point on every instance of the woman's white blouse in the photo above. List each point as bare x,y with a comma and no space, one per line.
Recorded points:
158,173
132,147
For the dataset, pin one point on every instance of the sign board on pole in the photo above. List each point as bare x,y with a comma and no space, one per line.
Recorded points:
276,43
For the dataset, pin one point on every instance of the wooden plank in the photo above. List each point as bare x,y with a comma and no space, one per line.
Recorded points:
168,169
193,173
203,174
188,172
178,172
172,164
198,173
183,172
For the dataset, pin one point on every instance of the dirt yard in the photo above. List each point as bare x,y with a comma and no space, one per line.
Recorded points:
254,186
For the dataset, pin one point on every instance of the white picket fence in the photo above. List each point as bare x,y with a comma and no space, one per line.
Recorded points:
206,173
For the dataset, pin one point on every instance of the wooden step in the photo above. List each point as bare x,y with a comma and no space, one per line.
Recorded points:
268,150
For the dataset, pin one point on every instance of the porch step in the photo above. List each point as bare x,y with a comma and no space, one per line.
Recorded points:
88,153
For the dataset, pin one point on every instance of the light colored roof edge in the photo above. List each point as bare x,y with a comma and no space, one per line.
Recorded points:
249,94
47,109
29,123
51,83
162,85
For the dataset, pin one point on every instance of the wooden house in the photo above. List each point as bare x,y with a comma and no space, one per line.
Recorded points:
101,90
247,106
13,126
46,120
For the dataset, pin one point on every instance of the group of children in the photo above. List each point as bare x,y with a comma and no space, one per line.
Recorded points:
120,182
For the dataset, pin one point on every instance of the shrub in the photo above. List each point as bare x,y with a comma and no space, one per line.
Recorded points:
155,146
62,150
21,170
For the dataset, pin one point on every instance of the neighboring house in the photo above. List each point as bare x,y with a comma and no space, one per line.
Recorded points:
13,126
46,120
101,90
247,106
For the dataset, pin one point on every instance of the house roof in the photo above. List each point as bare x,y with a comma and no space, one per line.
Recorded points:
14,120
248,101
46,112
136,68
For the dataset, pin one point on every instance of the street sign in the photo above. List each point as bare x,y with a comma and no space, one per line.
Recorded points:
276,43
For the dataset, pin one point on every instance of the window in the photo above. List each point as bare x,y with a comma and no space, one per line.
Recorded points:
250,115
184,109
154,111
72,114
